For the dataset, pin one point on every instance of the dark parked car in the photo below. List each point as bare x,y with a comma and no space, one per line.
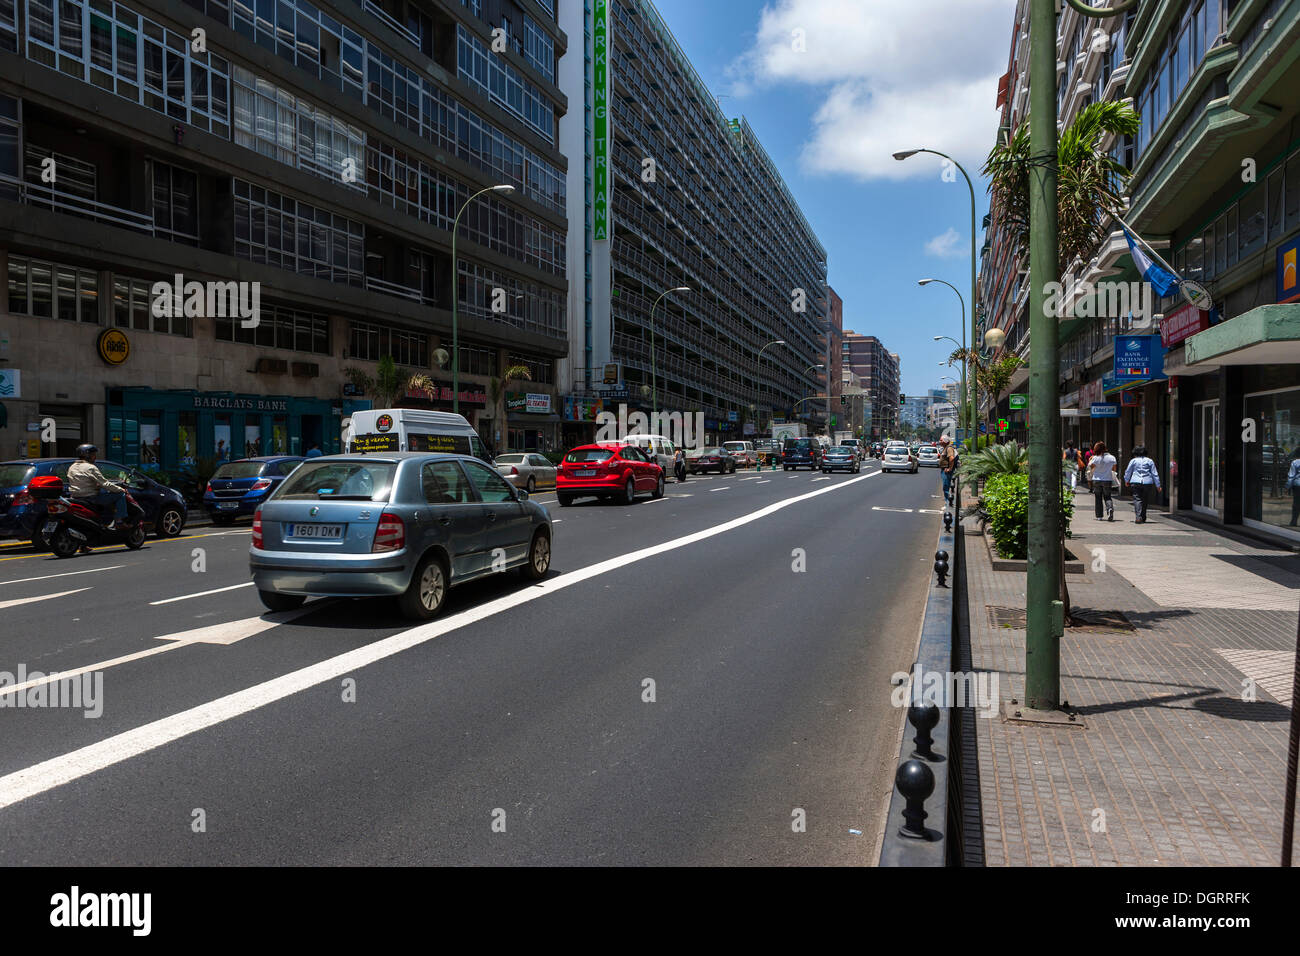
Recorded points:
802,452
711,459
21,515
238,487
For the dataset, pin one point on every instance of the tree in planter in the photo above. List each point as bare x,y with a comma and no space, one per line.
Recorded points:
390,383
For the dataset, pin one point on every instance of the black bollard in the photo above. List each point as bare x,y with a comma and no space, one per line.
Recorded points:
915,781
947,522
941,567
924,717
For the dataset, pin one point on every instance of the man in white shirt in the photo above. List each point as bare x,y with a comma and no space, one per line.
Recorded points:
1101,474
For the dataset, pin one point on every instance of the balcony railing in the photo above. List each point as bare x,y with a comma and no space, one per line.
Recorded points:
393,288
48,197
388,21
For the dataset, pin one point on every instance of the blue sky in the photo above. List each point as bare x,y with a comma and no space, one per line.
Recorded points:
833,87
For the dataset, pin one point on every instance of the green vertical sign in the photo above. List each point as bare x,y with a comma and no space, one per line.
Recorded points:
600,151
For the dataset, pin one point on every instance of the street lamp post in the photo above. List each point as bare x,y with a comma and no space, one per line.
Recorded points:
455,294
759,358
904,154
964,420
654,373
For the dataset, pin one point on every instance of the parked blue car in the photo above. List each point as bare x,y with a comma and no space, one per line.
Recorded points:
238,487
21,515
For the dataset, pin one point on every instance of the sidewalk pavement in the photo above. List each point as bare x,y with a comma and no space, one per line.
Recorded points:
1173,766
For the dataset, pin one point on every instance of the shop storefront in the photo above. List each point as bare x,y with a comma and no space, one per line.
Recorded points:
531,422
172,429
579,414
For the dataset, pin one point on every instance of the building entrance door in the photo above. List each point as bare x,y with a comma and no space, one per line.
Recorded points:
1207,493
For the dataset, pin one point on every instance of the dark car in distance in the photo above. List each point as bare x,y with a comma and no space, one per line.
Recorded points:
21,515
840,458
711,459
801,453
238,487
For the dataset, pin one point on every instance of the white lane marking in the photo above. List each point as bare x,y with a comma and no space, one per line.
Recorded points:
186,597
57,771
823,478
64,574
903,510
556,520
226,634
655,501
723,488
750,478
681,496
42,597
765,481
928,511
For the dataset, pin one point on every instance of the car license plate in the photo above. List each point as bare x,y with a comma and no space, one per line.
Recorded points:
313,530
228,504
585,473
51,526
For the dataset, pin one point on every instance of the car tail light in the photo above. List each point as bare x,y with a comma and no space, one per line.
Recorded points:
257,528
390,535
208,489
261,484
22,498
514,470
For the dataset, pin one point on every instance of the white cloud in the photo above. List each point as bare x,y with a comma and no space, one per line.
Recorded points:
945,245
900,75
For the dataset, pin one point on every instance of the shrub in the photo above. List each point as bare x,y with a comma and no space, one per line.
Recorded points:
1006,507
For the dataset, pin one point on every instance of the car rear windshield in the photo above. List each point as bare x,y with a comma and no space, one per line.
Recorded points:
799,442
589,454
840,450
734,446
509,459
344,480
239,469
14,475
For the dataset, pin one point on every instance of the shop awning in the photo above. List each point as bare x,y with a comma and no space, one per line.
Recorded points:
1267,335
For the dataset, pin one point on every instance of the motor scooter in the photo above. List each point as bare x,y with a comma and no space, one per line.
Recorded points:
71,525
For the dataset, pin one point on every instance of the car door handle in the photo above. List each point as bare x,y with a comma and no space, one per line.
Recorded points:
444,520
492,516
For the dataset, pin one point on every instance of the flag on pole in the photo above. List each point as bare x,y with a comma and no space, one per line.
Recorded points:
1161,279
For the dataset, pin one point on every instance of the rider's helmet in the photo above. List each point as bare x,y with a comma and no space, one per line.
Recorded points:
85,451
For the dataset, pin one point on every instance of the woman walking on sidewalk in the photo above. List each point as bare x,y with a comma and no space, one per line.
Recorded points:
1101,476
1140,476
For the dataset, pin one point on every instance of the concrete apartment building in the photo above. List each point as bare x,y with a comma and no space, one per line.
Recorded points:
878,370
1216,190
665,191
318,148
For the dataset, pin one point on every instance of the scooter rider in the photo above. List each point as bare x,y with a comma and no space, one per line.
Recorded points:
88,484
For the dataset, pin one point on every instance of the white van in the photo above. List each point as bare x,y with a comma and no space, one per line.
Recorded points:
658,447
742,448
413,429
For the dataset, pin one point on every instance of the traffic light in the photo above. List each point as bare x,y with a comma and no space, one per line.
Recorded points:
844,399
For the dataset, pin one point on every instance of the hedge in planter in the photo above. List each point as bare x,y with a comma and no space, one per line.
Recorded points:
1006,502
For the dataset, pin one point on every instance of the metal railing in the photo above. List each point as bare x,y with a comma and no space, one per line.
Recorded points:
378,11
393,288
48,197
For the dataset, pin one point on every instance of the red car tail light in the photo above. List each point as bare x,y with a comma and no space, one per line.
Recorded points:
261,484
390,535
208,489
514,470
22,498
257,528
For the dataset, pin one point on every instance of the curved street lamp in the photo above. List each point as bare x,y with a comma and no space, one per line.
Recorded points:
654,374
758,359
455,294
965,396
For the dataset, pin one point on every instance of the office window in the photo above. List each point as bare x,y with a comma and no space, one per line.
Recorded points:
175,202
503,84
539,48
369,342
278,328
478,361
48,290
131,300
294,235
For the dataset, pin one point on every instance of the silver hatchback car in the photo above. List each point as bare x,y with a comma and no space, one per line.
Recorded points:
402,524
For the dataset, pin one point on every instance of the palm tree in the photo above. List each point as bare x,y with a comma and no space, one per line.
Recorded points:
1090,183
390,383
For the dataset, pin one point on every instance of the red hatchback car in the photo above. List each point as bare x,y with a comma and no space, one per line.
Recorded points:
607,471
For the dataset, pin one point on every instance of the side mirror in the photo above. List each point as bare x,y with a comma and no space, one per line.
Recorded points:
521,494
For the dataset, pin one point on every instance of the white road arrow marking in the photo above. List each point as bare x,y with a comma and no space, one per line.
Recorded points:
42,597
186,597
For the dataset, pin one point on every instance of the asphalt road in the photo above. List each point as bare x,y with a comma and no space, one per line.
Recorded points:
768,611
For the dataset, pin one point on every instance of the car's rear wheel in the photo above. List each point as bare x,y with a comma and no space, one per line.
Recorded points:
424,598
629,492
563,499
275,601
170,523
659,487
539,556
532,484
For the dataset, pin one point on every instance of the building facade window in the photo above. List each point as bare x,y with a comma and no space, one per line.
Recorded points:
278,328
539,48
52,290
114,48
175,203
303,35
478,361
542,370
503,84
370,343
294,235
1268,461
528,306
131,304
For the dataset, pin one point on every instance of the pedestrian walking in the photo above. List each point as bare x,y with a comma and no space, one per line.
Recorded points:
1141,477
1293,485
947,465
1071,456
1102,479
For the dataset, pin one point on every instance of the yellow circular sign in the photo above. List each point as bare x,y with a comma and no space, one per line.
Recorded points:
114,346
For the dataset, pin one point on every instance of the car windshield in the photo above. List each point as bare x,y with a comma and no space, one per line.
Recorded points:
734,446
239,469
344,480
840,450
580,455
509,459
13,475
